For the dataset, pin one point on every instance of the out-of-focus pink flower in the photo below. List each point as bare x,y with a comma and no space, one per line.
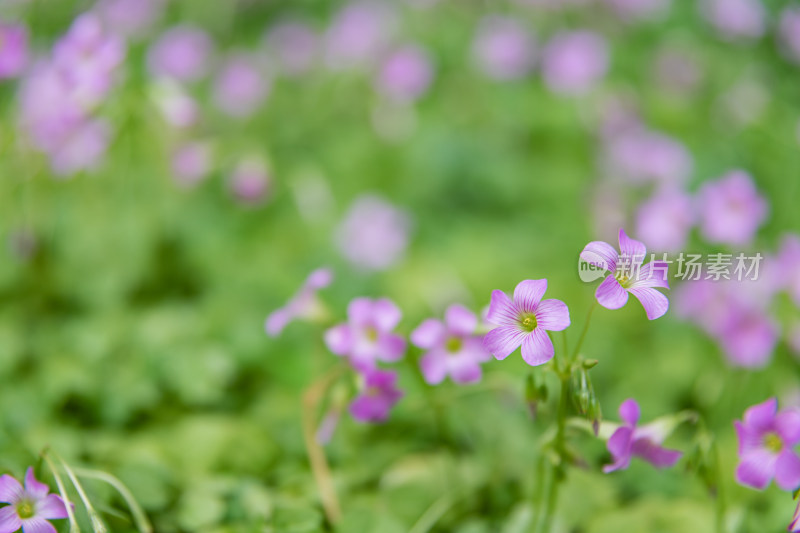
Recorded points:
240,87
677,72
665,219
82,149
640,155
731,209
182,52
250,181
638,9
374,234
766,446
405,74
789,32
304,304
359,34
736,19
789,266
630,440
175,104
573,62
748,337
293,45
13,49
379,393
191,162
503,48
130,18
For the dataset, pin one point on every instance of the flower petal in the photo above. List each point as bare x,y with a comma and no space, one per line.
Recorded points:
37,525
434,367
464,369
52,507
761,416
787,470
502,310
653,274
386,314
610,293
502,341
537,348
787,423
9,520
339,339
756,468
391,347
600,254
428,334
319,279
460,320
552,315
629,412
33,486
529,293
631,251
655,454
619,445
655,304
277,321
360,312
10,489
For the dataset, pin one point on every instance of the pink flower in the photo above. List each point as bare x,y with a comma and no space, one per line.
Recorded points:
250,181
405,74
573,62
240,87
359,34
82,149
379,393
628,275
644,442
191,162
367,336
293,45
130,18
665,220
736,19
789,32
182,52
13,49
731,210
525,322
503,48
304,304
30,507
452,347
638,9
766,441
789,266
177,107
641,156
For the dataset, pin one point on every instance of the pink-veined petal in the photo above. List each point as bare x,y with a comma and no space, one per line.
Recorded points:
360,311
610,293
387,314
787,423
37,525
339,339
629,412
502,310
33,486
428,334
502,341
631,251
552,315
762,415
653,274
434,367
600,254
460,320
10,489
52,507
9,520
756,468
529,293
537,348
787,470
655,304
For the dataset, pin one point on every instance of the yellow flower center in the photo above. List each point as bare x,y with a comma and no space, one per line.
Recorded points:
528,321
773,442
453,344
371,334
25,510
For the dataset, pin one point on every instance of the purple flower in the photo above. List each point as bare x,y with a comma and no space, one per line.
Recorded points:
644,442
130,18
373,234
503,48
789,32
574,61
789,266
452,347
304,303
191,162
736,19
638,9
405,74
182,52
525,321
240,87
731,210
748,336
82,149
250,181
642,156
628,275
379,393
367,337
176,106
766,442
293,46
13,49
665,219
359,34
30,507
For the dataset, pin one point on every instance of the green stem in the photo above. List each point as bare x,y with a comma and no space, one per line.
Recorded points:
559,445
585,329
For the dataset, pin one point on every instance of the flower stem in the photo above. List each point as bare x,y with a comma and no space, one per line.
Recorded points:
584,330
73,524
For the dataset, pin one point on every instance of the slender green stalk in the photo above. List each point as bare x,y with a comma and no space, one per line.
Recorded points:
584,330
97,523
73,524
139,517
